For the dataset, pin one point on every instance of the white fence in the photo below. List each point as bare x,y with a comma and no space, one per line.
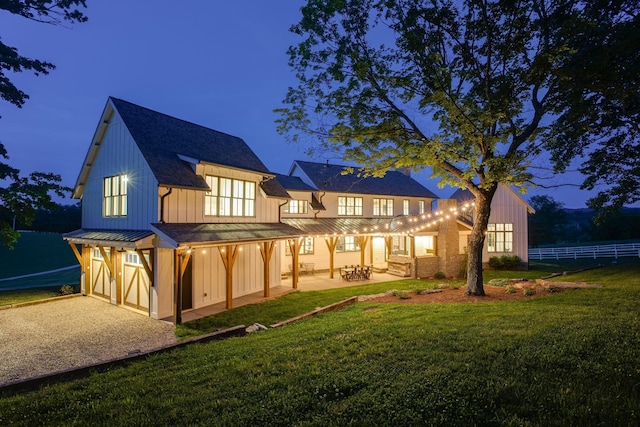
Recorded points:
602,251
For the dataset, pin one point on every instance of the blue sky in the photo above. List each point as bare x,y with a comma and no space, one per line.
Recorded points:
219,64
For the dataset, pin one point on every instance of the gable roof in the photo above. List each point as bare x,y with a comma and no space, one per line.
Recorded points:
162,138
464,195
169,145
328,177
293,183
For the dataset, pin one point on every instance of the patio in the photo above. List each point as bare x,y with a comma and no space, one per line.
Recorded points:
315,282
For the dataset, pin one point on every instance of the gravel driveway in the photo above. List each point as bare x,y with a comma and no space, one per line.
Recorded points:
59,335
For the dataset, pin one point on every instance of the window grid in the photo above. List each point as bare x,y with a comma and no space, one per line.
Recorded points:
405,207
229,197
382,207
349,206
347,244
500,237
296,207
115,196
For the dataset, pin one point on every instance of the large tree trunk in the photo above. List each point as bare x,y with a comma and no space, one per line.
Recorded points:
476,242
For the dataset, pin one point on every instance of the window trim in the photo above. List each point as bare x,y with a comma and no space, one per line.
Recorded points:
500,238
226,196
115,201
345,208
380,204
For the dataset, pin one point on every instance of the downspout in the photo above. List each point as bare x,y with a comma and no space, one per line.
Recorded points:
280,210
315,215
162,204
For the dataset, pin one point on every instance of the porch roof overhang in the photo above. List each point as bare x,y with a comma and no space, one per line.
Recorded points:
128,239
412,224
195,235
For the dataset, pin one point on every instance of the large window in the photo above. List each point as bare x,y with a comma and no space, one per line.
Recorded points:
306,247
349,206
500,237
400,245
296,207
382,207
229,197
347,244
115,196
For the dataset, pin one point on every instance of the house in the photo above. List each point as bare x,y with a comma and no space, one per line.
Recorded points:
507,231
388,223
175,216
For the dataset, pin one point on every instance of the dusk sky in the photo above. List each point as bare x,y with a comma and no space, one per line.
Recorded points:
219,64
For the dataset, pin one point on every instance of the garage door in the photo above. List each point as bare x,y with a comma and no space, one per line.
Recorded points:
135,283
100,282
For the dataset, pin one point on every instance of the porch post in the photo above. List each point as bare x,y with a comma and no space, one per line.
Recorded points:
331,242
229,254
266,250
294,246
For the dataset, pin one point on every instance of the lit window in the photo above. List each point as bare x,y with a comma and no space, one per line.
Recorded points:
115,196
306,247
382,207
296,207
500,237
350,206
405,207
420,206
347,244
229,197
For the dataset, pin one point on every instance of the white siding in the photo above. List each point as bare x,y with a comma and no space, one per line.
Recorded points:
209,275
507,208
119,155
187,206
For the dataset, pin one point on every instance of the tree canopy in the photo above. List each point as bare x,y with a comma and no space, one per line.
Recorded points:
22,196
471,89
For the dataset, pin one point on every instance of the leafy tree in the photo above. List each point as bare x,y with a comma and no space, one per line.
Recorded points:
461,87
549,221
599,117
22,196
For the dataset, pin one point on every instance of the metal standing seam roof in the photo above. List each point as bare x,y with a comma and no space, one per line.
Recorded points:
361,226
120,238
211,233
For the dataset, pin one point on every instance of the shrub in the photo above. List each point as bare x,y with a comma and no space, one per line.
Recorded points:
527,292
510,289
505,262
67,290
401,294
439,275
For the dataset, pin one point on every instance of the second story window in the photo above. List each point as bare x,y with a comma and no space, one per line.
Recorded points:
114,202
420,206
296,207
349,206
405,207
229,197
382,207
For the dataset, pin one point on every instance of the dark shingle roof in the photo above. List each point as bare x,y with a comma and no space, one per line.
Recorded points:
328,177
161,138
273,188
293,183
462,195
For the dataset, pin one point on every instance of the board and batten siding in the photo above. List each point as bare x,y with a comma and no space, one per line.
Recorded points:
209,275
508,208
119,155
187,206
320,257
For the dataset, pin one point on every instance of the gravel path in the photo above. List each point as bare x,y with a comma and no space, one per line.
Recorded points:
59,335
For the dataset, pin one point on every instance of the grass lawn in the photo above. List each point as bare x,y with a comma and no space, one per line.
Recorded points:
34,253
567,359
26,295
